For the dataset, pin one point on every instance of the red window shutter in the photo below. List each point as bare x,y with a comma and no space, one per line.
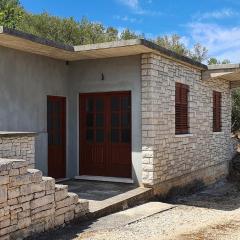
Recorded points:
217,121
181,108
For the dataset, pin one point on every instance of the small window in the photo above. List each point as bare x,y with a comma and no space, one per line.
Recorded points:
181,108
217,121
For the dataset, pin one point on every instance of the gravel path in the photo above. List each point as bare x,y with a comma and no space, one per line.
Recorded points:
213,214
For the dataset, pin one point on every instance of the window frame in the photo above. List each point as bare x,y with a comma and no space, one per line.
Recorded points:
181,109
217,111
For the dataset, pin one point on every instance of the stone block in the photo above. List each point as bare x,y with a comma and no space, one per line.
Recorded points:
82,206
19,163
64,210
24,214
39,194
13,193
35,175
42,201
13,172
50,183
3,194
69,216
7,230
49,223
24,222
4,180
61,192
19,180
59,220
43,214
5,221
26,198
43,208
38,187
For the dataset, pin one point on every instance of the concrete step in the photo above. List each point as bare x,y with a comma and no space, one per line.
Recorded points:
120,202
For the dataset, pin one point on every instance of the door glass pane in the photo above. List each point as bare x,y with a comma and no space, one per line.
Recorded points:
99,136
114,136
126,103
89,105
89,135
126,138
99,105
126,119
115,103
99,120
57,107
115,120
90,120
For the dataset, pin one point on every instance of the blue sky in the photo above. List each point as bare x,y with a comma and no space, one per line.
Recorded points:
213,23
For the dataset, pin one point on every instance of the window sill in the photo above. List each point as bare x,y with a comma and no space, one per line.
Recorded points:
218,133
184,135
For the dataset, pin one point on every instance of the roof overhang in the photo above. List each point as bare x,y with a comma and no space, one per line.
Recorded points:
226,72
29,43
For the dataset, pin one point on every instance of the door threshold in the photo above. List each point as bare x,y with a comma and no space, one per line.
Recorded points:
59,180
104,179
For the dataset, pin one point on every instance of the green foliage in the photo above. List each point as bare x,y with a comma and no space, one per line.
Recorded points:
212,61
128,34
199,53
236,110
11,13
226,61
173,43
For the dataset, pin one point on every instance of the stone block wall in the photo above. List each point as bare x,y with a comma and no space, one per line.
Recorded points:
18,146
168,157
31,203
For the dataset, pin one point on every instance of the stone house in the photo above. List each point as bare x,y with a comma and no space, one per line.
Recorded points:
128,111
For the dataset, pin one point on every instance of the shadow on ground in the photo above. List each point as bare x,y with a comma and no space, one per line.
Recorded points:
96,190
223,195
75,230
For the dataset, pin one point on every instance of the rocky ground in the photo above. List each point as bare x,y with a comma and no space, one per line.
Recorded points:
212,214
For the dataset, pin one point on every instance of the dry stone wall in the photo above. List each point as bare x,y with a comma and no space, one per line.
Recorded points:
166,156
18,146
31,203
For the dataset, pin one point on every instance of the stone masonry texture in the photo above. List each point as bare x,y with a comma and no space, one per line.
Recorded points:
18,147
31,203
166,156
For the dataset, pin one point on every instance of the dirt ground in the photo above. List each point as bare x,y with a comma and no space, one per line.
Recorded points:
212,214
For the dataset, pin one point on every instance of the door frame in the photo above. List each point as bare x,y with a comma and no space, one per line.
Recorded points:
79,131
66,134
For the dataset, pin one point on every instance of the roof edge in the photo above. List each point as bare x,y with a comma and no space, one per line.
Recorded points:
223,66
121,43
36,39
173,54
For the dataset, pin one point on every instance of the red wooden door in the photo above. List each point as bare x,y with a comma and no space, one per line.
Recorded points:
105,134
56,127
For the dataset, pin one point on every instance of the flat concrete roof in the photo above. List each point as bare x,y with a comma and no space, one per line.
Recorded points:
15,39
226,72
223,66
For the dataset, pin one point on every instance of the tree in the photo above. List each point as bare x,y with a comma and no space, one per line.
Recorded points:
199,53
173,43
213,60
226,61
11,13
111,34
128,34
